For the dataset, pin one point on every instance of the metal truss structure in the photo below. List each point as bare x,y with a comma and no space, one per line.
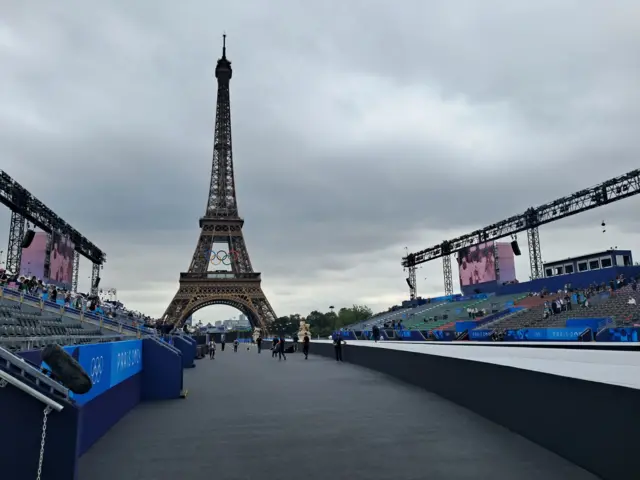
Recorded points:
95,275
26,207
16,235
447,273
535,253
76,270
411,280
240,286
605,193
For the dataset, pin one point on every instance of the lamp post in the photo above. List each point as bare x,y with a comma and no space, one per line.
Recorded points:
335,319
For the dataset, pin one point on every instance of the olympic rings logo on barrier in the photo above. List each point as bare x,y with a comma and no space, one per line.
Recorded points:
97,366
221,257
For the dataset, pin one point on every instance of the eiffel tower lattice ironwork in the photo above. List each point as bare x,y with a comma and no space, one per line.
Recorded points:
239,286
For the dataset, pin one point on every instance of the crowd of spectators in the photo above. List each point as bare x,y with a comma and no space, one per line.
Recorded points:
567,298
35,287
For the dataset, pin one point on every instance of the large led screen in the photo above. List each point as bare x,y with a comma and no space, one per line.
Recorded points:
61,261
477,264
33,258
506,263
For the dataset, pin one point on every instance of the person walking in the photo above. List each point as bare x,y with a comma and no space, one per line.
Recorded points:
337,345
376,333
281,344
222,342
305,346
235,345
259,344
274,347
212,350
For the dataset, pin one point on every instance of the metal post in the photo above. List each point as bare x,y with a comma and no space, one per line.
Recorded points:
76,269
448,274
496,259
95,274
535,253
16,236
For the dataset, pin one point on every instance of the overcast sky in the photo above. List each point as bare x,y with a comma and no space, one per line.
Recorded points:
359,128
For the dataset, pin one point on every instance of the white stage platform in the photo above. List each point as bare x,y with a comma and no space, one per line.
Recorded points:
605,366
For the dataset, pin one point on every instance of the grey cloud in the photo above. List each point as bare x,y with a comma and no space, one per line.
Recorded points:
358,128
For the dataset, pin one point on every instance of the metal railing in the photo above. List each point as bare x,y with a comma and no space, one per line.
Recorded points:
26,373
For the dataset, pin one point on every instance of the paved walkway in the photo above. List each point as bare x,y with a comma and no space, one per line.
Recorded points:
250,417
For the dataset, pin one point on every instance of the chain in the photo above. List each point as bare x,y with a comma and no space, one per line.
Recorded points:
47,411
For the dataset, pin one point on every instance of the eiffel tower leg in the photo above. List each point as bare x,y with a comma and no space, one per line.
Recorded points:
173,313
248,299
241,261
265,312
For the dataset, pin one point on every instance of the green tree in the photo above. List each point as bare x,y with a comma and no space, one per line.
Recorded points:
287,325
322,324
355,314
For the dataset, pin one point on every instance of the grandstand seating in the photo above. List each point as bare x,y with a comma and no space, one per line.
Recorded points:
456,312
615,306
441,315
603,305
24,326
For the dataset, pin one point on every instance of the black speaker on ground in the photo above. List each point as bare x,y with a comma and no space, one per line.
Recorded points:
516,248
28,238
96,283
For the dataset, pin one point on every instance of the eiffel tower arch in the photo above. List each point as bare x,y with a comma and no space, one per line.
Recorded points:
204,285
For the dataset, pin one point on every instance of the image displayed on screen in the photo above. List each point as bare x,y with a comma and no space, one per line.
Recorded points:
506,263
61,261
32,263
477,264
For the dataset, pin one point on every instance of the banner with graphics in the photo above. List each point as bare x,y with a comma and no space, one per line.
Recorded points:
544,334
108,364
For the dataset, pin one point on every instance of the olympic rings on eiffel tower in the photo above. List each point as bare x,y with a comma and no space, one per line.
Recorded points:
221,257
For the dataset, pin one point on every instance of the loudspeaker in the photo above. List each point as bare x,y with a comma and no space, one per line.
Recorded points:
409,283
516,248
28,238
96,283
67,370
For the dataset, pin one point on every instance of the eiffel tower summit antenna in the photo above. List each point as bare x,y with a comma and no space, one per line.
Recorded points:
206,282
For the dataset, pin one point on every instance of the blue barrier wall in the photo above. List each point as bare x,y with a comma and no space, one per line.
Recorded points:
187,350
21,425
595,324
629,334
480,335
104,411
349,335
411,335
544,334
164,379
107,364
72,432
444,335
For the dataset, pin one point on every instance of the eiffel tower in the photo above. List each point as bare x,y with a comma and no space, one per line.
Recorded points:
203,285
